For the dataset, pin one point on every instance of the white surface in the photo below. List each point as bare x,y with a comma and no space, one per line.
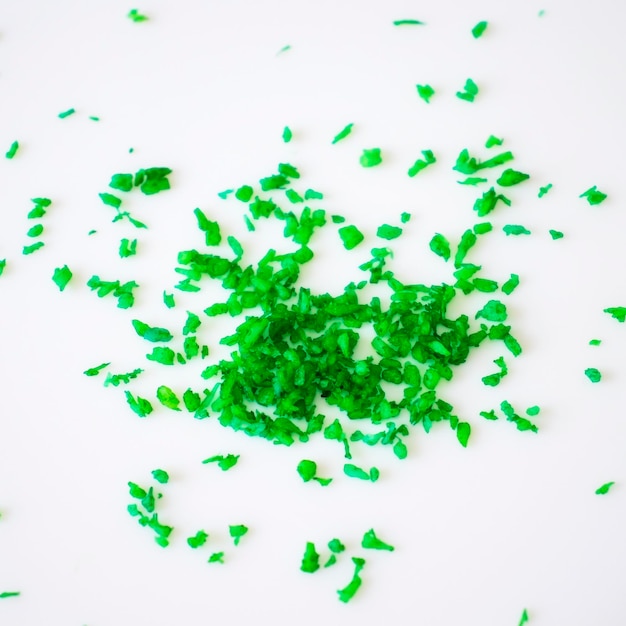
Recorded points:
481,533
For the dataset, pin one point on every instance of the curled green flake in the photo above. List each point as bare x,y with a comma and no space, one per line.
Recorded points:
287,134
470,91
94,371
556,234
216,557
408,23
237,532
9,594
425,92
210,228
544,190
67,113
511,177
593,374
151,333
347,593
311,559
33,247
492,141
161,476
617,312
478,31
127,248
343,133
371,542
440,246
388,232
593,195
197,540
493,311
12,151
371,157
351,236
510,285
136,17
515,229
61,277
164,356
223,462
604,489
168,398
420,164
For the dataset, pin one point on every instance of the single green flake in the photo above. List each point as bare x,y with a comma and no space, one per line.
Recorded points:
351,236
472,180
127,248
67,113
210,228
168,398
121,182
470,91
168,300
32,247
3,264
617,312
593,195
593,374
544,190
604,489
420,164
533,411
463,431
510,285
440,246
493,311
94,371
515,229
162,355
110,200
9,594
308,470
408,23
197,540
388,232
136,17
223,462
371,157
62,276
347,593
151,333
492,141
595,342
343,133
354,471
405,217
237,532
35,231
287,134
311,559
425,92
371,542
161,476
478,30
138,405
524,619
12,151
556,234
216,557
511,177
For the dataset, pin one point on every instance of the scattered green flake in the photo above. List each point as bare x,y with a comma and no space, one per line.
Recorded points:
593,195
493,311
492,140
351,236
32,248
244,193
154,334
94,371
284,49
470,91
604,489
463,431
116,379
593,374
492,380
164,356
472,180
343,133
405,217
35,231
110,200
425,92
308,470
388,232
12,151
354,471
161,476
3,264
62,276
276,181
532,411
440,246
468,240
121,182
556,234
511,177
347,593
466,164
168,398
478,30
483,228
249,225
191,324
371,157
224,462
617,312
198,540
216,557
237,532
510,285
94,118
595,342
168,300
420,164
287,134
515,229
9,594
311,194
127,248
544,190
335,546
136,17
337,219
210,228
224,194
293,196
140,406
408,23
524,619
371,542
67,113
311,559
153,180
489,415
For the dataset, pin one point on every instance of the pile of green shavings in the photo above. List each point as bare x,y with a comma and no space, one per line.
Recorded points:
293,356
35,231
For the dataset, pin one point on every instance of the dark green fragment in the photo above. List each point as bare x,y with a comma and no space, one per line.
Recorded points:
493,311
165,356
347,593
593,374
140,406
211,229
515,229
470,91
593,195
287,134
67,113
168,300
9,594
161,476
311,559
110,200
420,164
425,92
492,141
223,462
388,232
511,177
478,31
61,277
12,151
343,133
351,236
32,248
556,234
595,342
122,182
440,246
405,217
510,285
197,540
371,157
604,489
94,371
617,312
35,230
544,190
371,542
216,557
127,248
237,531
151,333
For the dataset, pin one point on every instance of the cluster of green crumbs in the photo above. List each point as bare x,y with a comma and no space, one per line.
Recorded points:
61,277
308,471
122,291
420,164
224,462
479,29
236,532
494,379
34,232
144,509
469,92
593,195
425,92
511,415
12,151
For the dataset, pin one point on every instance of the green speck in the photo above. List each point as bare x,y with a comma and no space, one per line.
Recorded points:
12,151
94,371
544,190
405,217
511,177
479,29
371,542
216,557
198,540
463,431
371,157
35,230
223,462
470,91
420,164
425,92
168,300
492,141
127,248
32,248
617,312
593,374
595,342
408,23
388,232
136,17
524,619
515,229
343,133
510,285
62,276
347,593
9,594
604,489
311,559
440,246
161,476
351,236
67,113
556,234
237,532
287,134
593,195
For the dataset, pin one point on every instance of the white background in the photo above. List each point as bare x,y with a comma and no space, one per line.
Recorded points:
511,522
